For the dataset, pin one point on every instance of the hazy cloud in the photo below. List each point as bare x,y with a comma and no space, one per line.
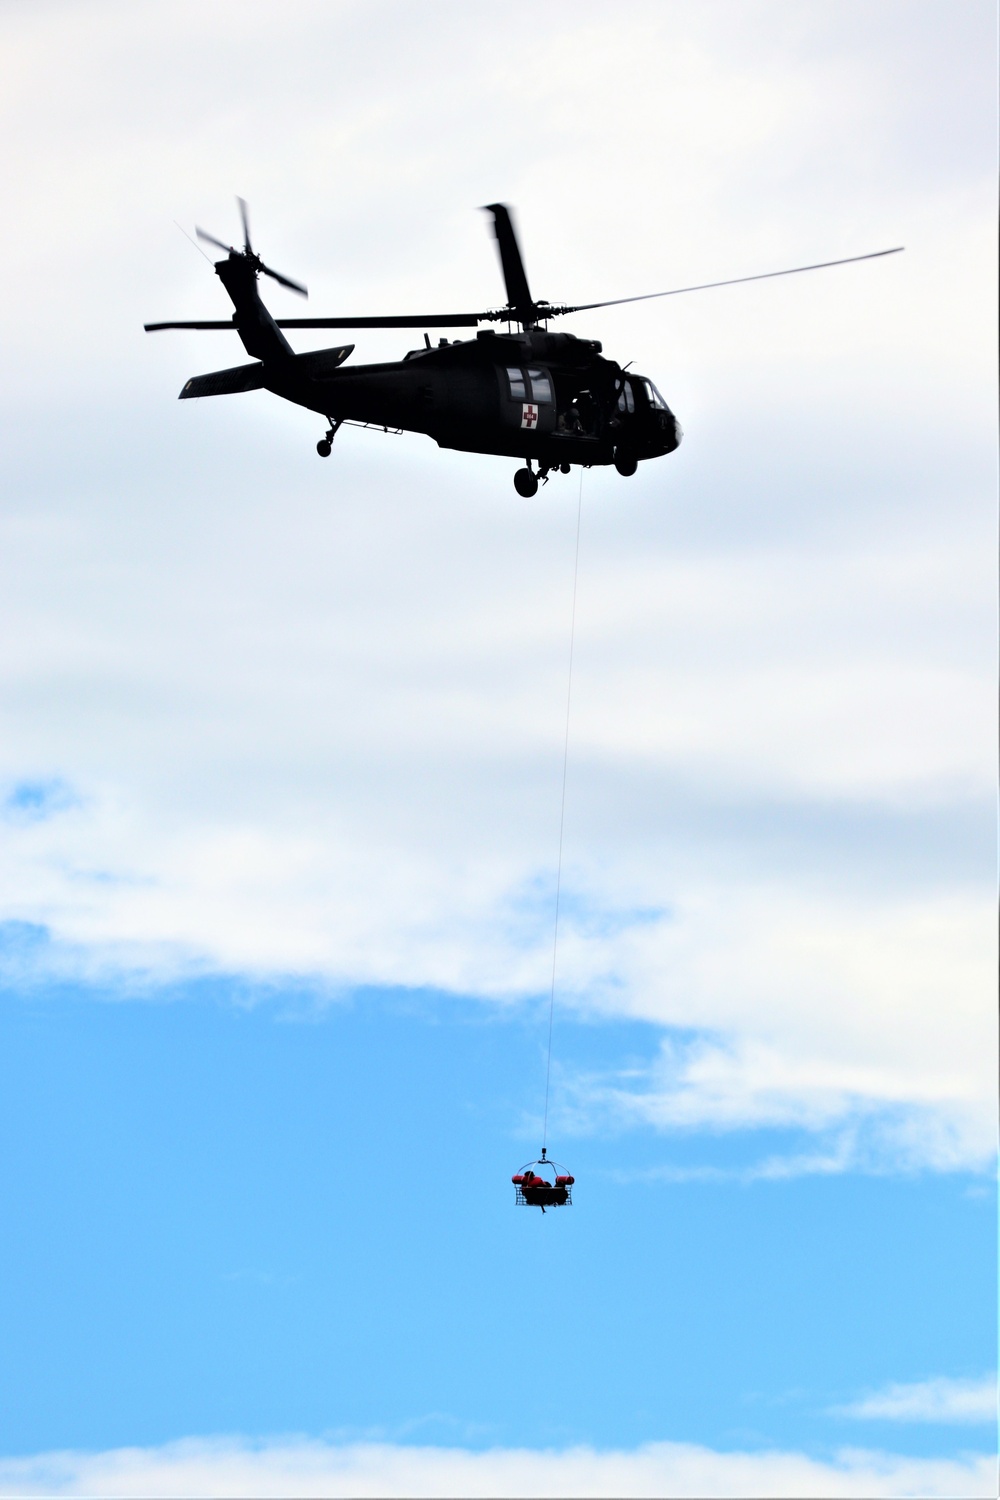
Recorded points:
940,1400
226,1467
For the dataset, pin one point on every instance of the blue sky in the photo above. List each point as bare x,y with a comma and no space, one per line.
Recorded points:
281,751
316,1206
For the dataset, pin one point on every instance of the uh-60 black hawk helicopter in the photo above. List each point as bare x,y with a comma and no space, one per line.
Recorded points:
551,399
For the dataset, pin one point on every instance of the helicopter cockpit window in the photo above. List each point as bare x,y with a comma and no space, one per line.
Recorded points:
541,387
626,401
655,399
517,391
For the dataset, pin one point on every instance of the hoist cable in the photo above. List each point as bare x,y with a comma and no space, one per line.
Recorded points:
562,811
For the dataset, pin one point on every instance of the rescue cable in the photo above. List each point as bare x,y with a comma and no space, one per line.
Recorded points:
562,813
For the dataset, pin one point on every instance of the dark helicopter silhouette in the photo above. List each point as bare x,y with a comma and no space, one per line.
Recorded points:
551,399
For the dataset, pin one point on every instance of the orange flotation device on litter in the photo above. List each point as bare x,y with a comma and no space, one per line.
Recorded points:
549,1187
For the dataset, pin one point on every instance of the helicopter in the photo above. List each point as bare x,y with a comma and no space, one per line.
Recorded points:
550,399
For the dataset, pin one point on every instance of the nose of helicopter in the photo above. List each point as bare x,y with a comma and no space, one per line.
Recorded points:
673,432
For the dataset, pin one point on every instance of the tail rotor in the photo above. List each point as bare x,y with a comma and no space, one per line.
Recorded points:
249,254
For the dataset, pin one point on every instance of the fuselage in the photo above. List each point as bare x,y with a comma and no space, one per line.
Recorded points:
547,397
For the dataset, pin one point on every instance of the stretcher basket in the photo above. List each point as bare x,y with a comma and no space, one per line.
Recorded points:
543,1184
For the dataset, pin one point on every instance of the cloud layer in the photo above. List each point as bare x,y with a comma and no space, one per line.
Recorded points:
280,718
295,1467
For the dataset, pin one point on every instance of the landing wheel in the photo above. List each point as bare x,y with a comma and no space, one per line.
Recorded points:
525,483
324,448
625,462
564,468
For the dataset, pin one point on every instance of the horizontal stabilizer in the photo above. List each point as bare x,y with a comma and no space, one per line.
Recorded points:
320,362
225,382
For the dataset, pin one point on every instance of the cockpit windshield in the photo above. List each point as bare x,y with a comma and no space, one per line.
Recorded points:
655,399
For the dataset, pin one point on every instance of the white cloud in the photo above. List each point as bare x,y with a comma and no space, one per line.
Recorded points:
308,717
940,1400
871,1023
297,1467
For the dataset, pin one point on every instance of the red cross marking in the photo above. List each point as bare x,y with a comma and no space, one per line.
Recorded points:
529,416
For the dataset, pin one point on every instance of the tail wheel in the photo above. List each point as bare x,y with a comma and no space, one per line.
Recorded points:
525,483
323,448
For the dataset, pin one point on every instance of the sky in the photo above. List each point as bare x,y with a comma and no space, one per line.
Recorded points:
282,743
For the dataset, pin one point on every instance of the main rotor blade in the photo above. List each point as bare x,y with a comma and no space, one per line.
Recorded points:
417,320
515,280
434,320
245,218
210,239
155,327
293,286
561,311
